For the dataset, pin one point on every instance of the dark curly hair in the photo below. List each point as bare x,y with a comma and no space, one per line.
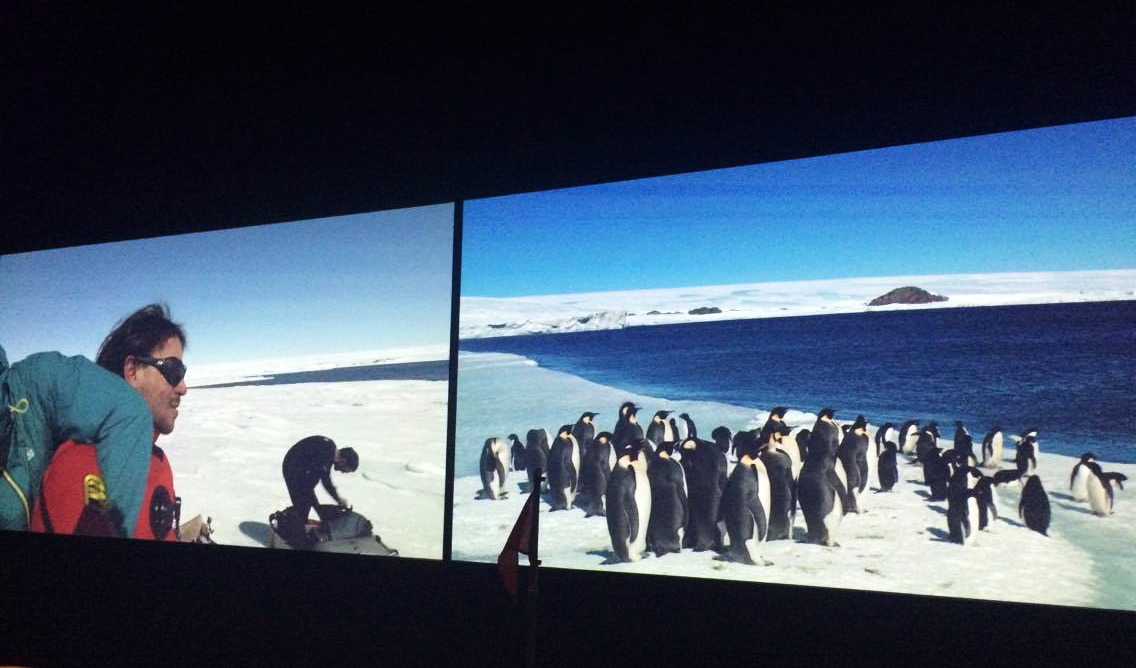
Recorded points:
137,334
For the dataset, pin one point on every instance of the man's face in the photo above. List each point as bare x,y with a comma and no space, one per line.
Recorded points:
162,398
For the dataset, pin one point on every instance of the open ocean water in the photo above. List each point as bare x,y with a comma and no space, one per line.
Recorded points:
1068,370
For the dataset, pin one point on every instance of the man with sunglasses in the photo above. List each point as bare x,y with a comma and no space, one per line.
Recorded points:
145,350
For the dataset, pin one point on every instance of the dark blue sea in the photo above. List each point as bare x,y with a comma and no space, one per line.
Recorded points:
1068,370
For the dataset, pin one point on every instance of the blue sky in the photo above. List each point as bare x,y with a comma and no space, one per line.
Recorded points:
1051,199
361,282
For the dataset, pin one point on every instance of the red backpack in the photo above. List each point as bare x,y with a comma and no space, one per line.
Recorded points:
73,497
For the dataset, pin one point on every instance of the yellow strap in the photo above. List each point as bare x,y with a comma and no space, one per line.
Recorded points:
23,499
20,407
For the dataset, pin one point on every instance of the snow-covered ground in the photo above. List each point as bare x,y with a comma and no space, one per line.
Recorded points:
490,316
228,445
897,545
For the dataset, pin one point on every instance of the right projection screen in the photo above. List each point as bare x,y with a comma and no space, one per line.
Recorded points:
964,309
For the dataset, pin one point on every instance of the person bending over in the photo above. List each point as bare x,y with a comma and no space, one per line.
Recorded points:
308,463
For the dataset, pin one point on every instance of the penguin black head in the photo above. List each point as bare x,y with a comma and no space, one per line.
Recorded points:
890,445
778,412
746,443
627,409
1088,456
1031,432
860,423
514,438
603,438
661,415
636,446
826,413
666,449
587,416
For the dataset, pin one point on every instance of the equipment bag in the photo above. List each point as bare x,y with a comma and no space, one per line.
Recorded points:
343,522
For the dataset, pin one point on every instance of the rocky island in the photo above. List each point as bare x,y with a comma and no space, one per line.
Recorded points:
907,295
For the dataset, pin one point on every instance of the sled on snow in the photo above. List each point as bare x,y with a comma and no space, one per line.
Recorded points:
337,530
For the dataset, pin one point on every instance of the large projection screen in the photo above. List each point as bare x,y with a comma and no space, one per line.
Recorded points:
721,295
336,327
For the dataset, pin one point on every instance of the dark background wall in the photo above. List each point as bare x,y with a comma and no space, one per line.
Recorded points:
133,121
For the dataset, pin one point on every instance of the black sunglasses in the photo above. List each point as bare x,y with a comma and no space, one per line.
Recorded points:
171,368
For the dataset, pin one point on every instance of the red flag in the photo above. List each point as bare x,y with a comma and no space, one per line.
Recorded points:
521,541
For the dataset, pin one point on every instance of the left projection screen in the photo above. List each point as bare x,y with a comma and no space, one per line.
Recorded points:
336,327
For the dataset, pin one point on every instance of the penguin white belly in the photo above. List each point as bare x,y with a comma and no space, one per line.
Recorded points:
994,459
764,494
995,509
754,542
1080,486
873,468
570,493
832,519
909,441
841,473
972,514
636,545
1099,500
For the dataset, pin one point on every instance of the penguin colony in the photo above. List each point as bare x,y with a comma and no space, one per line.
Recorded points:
665,489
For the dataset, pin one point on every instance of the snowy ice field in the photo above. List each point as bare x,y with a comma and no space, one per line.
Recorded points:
228,445
898,545
505,316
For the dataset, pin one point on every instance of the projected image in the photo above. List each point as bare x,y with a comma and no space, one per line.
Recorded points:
900,370
293,378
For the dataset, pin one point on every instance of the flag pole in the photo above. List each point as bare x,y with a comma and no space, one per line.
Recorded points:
534,563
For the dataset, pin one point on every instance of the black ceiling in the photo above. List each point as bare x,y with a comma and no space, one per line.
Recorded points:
139,120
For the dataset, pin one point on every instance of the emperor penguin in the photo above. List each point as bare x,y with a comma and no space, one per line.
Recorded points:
745,502
773,423
782,508
660,430
1033,507
518,452
724,438
536,455
1079,479
629,503
705,467
800,437
595,468
585,431
992,448
908,437
669,507
494,467
564,469
686,427
889,466
819,490
1099,491
853,454
627,427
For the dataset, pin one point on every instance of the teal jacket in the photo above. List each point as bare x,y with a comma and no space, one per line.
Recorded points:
48,399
